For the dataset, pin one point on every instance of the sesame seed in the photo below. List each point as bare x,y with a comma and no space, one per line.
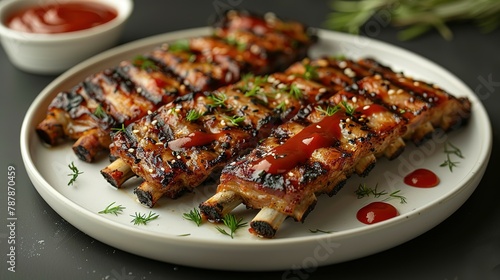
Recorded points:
281,86
178,157
131,150
255,49
378,77
162,169
416,84
322,90
349,73
222,122
399,91
391,91
290,173
354,99
290,77
318,126
366,107
151,170
154,122
159,144
139,90
149,112
342,64
136,131
322,63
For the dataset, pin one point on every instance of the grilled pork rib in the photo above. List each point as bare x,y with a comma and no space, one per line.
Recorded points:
118,96
175,152
324,144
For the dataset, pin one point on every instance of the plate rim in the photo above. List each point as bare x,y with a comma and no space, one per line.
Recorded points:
46,94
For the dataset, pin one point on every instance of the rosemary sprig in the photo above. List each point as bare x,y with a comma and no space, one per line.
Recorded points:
415,17
232,223
364,191
143,219
193,115
74,174
193,215
112,210
450,149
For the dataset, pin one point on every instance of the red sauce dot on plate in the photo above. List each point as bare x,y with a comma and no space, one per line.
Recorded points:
376,212
422,178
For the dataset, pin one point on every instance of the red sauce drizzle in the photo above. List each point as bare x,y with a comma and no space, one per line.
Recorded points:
422,178
300,147
194,139
371,109
376,212
61,17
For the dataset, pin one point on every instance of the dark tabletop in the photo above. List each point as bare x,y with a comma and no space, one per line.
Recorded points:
464,246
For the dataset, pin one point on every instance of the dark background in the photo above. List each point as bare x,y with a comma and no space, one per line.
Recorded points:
465,246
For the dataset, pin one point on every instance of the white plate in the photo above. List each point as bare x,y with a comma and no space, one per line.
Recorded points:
173,239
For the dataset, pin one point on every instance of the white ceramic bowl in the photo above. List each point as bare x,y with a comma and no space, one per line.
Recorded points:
55,53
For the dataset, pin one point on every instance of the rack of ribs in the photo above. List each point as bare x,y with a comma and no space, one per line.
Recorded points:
328,141
116,97
176,148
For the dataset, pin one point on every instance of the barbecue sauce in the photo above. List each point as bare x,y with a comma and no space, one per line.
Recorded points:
376,212
422,178
194,139
299,148
61,17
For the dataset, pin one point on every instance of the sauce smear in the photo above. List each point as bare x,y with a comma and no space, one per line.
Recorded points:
61,17
299,148
376,212
422,178
194,139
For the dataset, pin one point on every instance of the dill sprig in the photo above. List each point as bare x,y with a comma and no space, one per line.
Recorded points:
348,108
295,91
311,72
74,174
365,191
235,120
119,129
329,111
112,210
218,99
450,149
99,112
143,219
415,17
193,215
232,223
193,115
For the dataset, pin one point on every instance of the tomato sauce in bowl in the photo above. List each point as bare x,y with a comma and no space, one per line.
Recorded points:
61,17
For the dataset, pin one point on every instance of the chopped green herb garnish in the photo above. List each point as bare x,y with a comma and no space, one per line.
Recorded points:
193,215
329,111
311,72
295,91
99,112
235,120
119,129
179,45
142,219
348,108
193,115
364,191
281,106
450,149
112,210
145,63
218,99
74,174
232,223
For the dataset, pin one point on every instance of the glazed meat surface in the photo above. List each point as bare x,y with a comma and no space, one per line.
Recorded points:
88,112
